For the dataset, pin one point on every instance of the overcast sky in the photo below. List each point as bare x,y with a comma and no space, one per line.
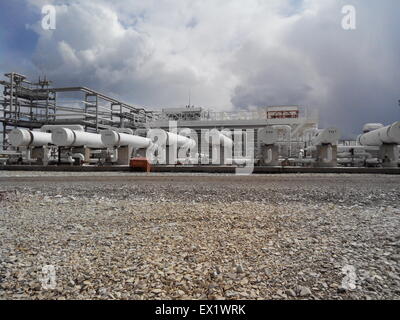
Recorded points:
229,54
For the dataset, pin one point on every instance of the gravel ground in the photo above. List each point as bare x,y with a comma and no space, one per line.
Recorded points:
162,236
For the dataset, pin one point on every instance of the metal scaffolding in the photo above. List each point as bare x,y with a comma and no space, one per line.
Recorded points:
32,105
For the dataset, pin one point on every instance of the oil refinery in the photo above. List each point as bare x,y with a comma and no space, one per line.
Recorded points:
76,126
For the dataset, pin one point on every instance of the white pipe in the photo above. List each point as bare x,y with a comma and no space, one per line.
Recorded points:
28,138
163,138
386,135
112,138
326,136
65,137
372,126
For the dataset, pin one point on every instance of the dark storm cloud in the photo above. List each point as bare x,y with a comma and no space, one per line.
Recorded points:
229,55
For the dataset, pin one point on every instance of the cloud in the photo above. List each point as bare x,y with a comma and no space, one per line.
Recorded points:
231,54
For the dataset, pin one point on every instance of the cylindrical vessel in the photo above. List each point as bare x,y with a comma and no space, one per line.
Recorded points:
28,138
64,137
267,135
372,126
326,136
111,138
389,134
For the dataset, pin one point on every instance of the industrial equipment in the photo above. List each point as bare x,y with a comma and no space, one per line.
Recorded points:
269,150
123,145
325,142
387,139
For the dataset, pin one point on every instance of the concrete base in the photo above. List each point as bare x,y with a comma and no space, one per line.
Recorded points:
86,153
270,155
326,156
389,155
124,155
40,154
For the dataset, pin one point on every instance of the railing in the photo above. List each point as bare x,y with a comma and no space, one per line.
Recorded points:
306,114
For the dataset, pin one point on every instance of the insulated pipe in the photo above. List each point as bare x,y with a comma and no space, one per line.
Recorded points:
111,138
28,138
65,137
386,135
372,126
171,139
326,136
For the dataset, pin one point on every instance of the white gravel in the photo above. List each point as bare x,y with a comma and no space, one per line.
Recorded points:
163,236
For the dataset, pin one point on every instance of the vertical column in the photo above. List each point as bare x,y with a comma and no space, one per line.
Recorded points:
97,114
121,119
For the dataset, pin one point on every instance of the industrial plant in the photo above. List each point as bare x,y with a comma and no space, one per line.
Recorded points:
45,126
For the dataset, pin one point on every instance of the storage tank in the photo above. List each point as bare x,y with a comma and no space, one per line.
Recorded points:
111,138
64,137
28,138
385,135
326,136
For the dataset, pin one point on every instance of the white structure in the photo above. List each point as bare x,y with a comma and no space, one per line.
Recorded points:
387,139
64,137
111,138
28,138
385,135
372,126
326,136
123,145
298,118
269,150
325,143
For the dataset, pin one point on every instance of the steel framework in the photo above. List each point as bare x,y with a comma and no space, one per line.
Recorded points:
32,105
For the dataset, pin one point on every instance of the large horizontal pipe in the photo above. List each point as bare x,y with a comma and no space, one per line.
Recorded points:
111,138
164,138
386,135
326,136
65,137
28,138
